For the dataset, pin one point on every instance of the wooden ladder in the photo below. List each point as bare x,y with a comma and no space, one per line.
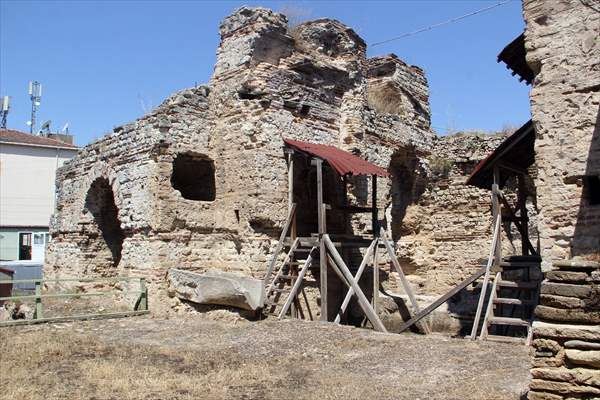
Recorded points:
288,281
509,298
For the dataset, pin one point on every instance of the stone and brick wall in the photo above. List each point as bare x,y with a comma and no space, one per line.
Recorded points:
566,333
563,49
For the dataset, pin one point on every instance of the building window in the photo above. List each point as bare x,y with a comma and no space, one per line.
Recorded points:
591,189
194,177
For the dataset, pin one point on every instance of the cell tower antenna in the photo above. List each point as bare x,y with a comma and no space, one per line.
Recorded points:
35,94
4,111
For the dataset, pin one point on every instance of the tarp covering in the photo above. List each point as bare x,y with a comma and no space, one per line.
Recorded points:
343,162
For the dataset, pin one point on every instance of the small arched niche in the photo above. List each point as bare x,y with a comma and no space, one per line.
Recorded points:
194,176
105,236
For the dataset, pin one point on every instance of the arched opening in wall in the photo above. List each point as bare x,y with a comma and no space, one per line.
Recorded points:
194,176
407,187
105,234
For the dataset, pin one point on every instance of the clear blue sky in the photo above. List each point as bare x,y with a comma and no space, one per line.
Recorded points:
102,63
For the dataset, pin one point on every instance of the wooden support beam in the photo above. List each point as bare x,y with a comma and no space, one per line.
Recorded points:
297,286
321,223
488,267
441,300
522,203
359,273
279,246
376,277
374,216
362,300
398,268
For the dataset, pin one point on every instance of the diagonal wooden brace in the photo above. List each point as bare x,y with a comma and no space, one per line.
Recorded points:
362,299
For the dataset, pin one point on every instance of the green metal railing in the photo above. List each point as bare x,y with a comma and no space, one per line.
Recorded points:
140,307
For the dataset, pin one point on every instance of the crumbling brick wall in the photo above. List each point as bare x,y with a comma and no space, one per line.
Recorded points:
311,83
563,50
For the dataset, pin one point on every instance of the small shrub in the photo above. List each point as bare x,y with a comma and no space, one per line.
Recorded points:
440,167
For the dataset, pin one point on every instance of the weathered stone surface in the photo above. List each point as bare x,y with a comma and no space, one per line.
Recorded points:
576,264
565,289
567,315
217,287
580,344
581,376
563,387
566,276
560,301
568,331
564,99
588,358
312,83
532,395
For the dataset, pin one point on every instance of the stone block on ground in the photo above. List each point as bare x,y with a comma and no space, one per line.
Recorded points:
588,358
217,287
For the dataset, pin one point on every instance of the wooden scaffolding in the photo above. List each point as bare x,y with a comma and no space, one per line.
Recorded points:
321,251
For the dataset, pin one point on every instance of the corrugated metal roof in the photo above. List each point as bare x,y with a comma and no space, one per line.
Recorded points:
16,137
343,162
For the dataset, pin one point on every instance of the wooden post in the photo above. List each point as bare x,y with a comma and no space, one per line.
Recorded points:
522,200
374,217
376,276
322,255
39,313
375,227
293,268
361,268
496,210
290,154
142,303
362,300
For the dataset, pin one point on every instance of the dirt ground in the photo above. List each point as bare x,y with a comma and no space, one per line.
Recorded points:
219,356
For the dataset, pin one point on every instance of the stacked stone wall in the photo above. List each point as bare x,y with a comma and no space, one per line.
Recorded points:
563,50
566,333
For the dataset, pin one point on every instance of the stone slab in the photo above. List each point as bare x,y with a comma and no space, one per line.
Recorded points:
564,315
566,276
563,387
565,289
576,264
217,287
566,331
581,344
588,358
582,376
560,301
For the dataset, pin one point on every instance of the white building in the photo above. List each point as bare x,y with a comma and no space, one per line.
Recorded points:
28,166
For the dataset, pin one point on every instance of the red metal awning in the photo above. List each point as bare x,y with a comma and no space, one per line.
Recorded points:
343,162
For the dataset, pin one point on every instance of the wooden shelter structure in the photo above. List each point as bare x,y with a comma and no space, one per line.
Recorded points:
514,293
317,235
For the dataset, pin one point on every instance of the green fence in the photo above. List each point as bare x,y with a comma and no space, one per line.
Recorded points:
140,307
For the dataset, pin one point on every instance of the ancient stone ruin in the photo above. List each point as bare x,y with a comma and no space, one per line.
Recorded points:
201,181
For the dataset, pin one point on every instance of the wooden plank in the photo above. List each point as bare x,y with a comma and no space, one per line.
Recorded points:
310,315
322,256
39,314
280,270
489,313
488,267
350,292
65,295
376,279
74,318
279,246
374,217
295,288
442,299
362,300
398,268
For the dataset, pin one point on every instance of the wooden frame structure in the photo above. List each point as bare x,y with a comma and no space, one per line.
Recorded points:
322,247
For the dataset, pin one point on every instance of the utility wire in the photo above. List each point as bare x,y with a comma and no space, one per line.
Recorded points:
441,23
